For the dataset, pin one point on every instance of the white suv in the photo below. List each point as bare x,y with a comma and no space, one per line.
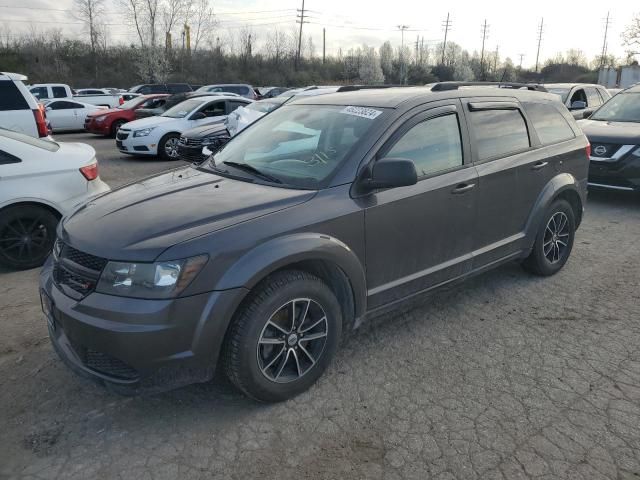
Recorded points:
19,110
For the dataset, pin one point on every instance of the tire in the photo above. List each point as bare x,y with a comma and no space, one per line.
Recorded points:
169,138
27,233
261,329
554,240
115,126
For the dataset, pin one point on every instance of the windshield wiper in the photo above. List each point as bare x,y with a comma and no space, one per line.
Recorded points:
251,169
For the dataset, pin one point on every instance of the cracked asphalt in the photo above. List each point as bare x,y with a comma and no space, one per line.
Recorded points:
506,376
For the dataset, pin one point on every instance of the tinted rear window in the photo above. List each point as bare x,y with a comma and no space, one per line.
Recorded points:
10,97
547,120
499,133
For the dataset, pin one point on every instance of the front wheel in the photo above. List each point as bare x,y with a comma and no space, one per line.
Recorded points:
554,240
284,337
27,233
115,126
168,147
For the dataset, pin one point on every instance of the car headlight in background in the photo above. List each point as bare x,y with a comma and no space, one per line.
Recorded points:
209,141
143,133
149,280
100,119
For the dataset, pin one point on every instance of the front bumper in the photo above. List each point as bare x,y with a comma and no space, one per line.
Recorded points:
615,173
136,345
191,153
127,143
98,128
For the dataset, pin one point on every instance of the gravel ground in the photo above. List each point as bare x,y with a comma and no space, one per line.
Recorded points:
504,376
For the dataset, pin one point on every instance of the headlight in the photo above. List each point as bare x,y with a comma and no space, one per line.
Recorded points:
209,141
100,119
149,280
143,133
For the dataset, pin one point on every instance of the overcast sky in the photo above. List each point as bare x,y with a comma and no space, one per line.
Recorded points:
512,25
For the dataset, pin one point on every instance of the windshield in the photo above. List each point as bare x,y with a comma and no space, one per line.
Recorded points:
182,109
624,107
131,103
299,145
561,92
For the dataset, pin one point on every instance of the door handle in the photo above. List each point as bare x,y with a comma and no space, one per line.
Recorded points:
462,188
539,165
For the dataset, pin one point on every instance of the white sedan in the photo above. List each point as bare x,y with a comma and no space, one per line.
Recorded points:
158,136
68,115
40,181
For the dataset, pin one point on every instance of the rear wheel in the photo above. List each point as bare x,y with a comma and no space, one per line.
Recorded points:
27,233
115,126
168,147
554,240
284,337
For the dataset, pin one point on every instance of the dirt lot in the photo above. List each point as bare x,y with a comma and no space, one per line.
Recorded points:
505,376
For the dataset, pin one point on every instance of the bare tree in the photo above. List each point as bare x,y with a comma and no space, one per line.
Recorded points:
143,16
173,12
200,14
631,36
276,45
88,12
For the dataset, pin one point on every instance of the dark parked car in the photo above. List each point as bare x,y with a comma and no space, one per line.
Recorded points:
614,133
580,98
161,88
327,211
216,136
170,102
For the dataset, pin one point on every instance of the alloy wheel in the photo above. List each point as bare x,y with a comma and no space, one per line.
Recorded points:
556,237
292,341
24,239
171,147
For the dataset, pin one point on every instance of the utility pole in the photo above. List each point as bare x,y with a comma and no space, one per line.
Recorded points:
495,61
446,25
604,42
540,30
484,37
521,55
301,21
324,44
402,28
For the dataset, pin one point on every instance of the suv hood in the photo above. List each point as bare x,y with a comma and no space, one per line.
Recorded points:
627,133
139,221
207,130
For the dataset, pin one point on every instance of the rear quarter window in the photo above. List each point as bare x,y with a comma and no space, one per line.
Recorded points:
549,123
10,97
499,133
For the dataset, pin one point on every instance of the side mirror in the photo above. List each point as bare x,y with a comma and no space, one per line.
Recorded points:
578,105
198,116
392,173
47,109
586,114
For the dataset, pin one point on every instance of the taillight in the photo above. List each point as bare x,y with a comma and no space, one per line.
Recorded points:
41,123
588,149
90,172
121,100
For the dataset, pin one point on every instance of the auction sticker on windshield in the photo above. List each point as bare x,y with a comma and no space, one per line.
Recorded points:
364,112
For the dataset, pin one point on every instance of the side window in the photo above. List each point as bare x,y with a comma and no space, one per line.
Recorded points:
434,145
11,98
76,105
499,133
62,105
593,99
59,92
213,109
40,93
549,123
7,158
579,96
235,105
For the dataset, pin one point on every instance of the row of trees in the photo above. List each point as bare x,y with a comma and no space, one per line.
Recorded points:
160,53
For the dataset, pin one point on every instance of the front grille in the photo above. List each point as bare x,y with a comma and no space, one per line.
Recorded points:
104,363
76,271
191,142
122,135
604,150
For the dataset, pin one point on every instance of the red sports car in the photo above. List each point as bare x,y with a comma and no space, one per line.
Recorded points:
107,122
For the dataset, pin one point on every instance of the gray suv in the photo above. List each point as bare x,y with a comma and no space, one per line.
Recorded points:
318,216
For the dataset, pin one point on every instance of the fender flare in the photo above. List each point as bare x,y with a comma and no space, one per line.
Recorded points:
279,252
560,185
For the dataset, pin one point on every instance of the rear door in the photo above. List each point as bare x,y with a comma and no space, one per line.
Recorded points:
421,235
61,114
80,112
500,142
15,113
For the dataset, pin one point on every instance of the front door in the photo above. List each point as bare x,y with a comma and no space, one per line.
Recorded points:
421,235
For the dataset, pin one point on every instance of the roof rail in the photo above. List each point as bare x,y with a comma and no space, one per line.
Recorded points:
352,88
443,86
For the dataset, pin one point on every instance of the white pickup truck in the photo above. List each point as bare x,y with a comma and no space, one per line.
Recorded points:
50,91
